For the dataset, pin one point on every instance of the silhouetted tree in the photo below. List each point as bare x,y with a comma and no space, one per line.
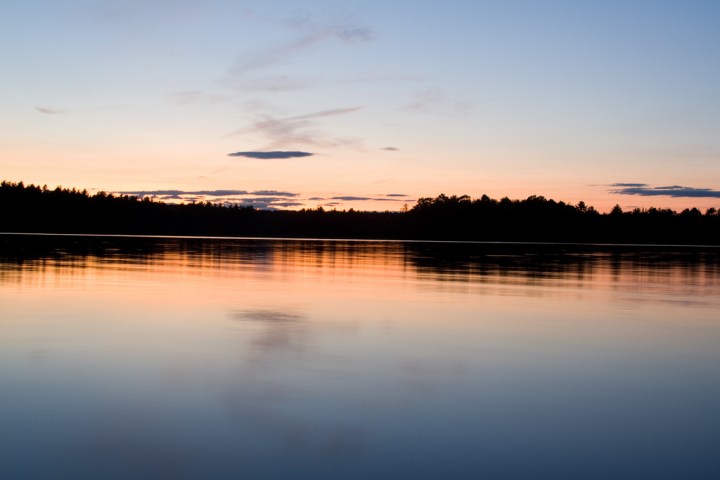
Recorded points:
31,208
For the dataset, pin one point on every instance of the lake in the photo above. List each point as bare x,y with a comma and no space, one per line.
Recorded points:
192,358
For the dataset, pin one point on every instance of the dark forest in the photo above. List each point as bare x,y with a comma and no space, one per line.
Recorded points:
35,209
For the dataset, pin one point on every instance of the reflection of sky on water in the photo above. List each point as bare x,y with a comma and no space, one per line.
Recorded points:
282,359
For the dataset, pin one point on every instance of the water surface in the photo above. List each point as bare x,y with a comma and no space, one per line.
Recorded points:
214,359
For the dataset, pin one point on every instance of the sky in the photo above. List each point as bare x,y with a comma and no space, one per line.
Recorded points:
367,105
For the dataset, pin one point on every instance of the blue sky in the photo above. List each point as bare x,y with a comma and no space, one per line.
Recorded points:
507,98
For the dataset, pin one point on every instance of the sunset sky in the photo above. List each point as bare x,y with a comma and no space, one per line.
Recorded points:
368,104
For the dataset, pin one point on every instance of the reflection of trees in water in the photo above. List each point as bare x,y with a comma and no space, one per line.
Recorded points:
77,255
527,264
559,264
74,254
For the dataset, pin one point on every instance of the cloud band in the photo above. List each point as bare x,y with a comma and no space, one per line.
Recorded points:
676,191
271,155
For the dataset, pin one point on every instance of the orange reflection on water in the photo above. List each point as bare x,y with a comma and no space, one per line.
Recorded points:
446,268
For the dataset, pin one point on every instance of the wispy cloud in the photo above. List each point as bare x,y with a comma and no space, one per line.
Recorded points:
327,113
262,315
279,83
271,155
261,69
274,193
192,97
49,111
296,129
346,28
339,199
310,34
433,100
390,149
628,184
677,191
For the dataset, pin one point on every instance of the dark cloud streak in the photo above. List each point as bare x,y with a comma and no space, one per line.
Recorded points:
271,155
675,191
274,193
350,198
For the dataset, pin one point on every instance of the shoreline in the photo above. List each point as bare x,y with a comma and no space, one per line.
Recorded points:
361,240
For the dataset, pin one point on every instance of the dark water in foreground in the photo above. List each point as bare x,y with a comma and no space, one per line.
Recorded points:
210,359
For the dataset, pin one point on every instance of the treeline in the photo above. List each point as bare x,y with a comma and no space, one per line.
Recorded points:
535,219
539,219
31,208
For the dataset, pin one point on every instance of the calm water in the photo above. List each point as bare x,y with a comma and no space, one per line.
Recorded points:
226,359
